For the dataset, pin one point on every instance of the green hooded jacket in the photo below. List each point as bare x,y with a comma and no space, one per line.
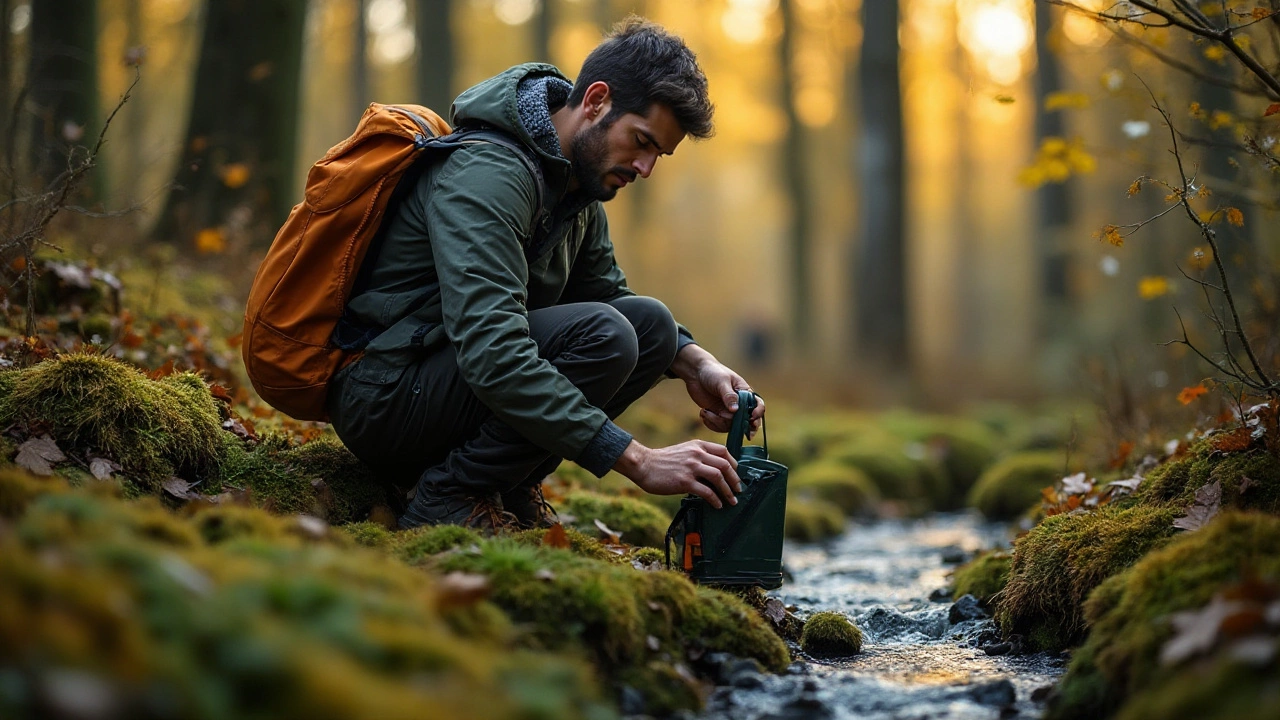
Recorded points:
452,269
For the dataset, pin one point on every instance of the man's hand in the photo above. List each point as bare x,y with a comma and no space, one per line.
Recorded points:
697,466
714,387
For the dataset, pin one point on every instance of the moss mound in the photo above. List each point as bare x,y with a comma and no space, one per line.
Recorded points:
136,602
1013,484
1060,561
900,470
830,634
812,520
846,487
629,622
152,428
964,448
1176,482
1128,618
639,522
982,577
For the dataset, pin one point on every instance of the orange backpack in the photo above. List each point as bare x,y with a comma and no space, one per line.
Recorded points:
302,287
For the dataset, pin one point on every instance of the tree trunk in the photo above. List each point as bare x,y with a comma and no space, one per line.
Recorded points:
1054,199
796,177
7,64
62,79
606,15
880,289
435,55
237,164
359,63
544,23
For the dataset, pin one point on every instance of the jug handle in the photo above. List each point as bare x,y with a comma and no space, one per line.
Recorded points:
742,421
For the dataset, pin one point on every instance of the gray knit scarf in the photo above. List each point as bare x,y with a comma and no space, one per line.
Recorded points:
535,97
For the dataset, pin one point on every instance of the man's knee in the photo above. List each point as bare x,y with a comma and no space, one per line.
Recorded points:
654,325
610,336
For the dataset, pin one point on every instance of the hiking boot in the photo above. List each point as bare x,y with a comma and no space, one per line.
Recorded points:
530,507
431,507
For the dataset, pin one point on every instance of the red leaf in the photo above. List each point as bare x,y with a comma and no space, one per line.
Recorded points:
556,537
1272,109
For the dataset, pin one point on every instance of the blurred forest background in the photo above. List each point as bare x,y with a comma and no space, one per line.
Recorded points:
902,201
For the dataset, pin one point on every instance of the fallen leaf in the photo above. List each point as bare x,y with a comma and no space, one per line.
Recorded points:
459,589
1235,441
555,537
544,574
311,526
1078,484
611,537
221,393
652,643
1246,482
1127,486
178,488
1272,109
102,468
1189,394
1196,631
1208,499
39,455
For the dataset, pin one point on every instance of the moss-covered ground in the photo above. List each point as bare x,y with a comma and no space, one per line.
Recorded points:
982,577
830,634
1010,487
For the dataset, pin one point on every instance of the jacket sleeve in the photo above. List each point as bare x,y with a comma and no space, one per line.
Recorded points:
478,211
595,275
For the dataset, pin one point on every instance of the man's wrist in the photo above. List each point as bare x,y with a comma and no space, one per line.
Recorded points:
689,360
631,460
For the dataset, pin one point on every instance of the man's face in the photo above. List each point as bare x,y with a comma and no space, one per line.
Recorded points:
610,153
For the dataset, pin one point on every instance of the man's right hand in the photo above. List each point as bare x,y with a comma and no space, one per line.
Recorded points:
699,467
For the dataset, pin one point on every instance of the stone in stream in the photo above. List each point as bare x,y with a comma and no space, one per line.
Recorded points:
830,634
954,555
966,608
889,624
997,693
942,594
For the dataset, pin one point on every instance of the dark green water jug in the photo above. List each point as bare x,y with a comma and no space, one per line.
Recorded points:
736,544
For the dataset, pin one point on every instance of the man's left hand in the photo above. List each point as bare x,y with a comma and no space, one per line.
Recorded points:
714,387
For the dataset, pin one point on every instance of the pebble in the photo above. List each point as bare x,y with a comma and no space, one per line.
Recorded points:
1000,648
966,608
954,555
942,594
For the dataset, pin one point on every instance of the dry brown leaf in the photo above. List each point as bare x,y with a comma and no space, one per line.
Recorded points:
459,589
611,537
179,488
544,574
102,468
1208,501
1196,631
39,455
556,537
775,611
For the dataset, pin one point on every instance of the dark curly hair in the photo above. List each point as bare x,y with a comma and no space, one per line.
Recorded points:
644,64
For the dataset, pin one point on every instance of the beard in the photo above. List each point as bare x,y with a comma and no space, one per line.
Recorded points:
590,159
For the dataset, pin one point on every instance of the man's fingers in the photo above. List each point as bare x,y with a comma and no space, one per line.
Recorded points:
705,493
715,478
714,421
726,470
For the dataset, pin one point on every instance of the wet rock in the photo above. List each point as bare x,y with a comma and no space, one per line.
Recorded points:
810,685
798,668
745,673
966,608
1042,693
889,624
942,594
998,693
1000,648
805,706
953,555
630,701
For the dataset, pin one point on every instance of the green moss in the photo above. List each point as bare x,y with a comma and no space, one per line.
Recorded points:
830,634
250,627
579,542
1060,561
648,557
812,520
1128,619
639,522
153,428
1176,482
841,485
965,448
369,534
1223,690
567,600
901,470
1013,484
422,542
982,577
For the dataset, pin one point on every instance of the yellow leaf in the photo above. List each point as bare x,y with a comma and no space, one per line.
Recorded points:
1235,217
1066,100
1111,234
1260,13
1135,188
1204,191
211,241
1220,119
235,175
1216,53
1153,286
1053,146
1004,99
1195,110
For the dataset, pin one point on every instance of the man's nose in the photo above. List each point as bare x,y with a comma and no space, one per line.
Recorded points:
643,165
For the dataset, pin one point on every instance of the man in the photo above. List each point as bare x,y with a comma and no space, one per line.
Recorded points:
506,347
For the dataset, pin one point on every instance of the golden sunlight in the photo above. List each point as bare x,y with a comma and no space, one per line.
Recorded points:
997,33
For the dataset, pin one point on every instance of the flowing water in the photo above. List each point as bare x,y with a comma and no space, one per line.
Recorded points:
915,662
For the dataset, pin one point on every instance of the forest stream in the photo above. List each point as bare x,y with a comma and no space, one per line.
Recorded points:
889,577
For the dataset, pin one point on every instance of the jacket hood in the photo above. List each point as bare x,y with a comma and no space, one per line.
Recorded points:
493,102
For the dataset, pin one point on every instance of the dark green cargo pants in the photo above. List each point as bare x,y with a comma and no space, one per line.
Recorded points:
428,422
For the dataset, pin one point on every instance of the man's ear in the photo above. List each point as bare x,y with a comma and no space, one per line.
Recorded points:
597,100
